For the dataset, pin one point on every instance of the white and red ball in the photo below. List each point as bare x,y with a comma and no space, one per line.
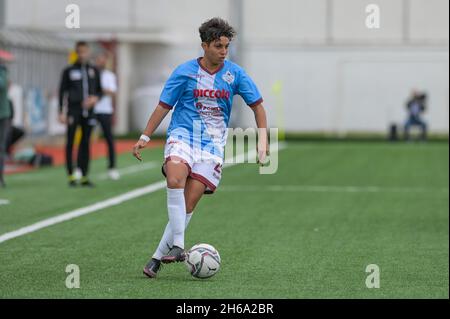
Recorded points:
202,261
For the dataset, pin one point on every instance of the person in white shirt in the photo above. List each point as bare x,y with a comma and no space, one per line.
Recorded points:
104,110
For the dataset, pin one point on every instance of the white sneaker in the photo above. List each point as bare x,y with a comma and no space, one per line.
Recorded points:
113,174
77,174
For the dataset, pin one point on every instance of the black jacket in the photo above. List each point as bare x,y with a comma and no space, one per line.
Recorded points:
420,101
71,86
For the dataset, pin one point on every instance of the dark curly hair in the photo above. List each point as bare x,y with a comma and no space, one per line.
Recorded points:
215,28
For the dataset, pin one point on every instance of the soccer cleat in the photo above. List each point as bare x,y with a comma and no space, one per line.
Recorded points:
152,268
176,254
72,181
85,182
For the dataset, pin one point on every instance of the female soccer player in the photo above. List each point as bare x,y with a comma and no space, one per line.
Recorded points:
200,91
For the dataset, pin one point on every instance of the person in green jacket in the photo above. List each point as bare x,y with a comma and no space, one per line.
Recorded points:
5,113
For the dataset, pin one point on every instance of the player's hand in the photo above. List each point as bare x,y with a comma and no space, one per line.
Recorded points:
138,146
93,99
85,104
62,118
263,152
90,101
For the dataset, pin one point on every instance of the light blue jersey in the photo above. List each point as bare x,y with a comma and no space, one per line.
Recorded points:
202,102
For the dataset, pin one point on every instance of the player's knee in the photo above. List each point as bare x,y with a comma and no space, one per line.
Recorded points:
175,182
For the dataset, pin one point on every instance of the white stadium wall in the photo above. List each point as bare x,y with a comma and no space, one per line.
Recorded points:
342,90
336,75
339,76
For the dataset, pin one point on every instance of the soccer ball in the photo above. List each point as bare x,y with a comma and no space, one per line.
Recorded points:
202,261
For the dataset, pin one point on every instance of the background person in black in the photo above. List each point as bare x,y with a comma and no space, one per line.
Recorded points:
81,88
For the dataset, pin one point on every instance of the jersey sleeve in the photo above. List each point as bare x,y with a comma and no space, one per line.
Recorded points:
173,89
248,91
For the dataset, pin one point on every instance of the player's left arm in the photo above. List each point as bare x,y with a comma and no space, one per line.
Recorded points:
247,89
261,123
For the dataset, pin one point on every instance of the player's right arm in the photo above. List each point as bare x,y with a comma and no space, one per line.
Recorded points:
173,89
155,119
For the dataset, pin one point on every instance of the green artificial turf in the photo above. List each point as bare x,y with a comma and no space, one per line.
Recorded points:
308,231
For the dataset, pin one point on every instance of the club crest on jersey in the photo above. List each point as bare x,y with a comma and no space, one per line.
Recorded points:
228,77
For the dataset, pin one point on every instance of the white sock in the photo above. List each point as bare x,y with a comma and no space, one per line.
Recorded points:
188,219
176,207
164,244
167,239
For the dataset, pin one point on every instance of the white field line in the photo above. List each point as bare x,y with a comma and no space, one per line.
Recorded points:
116,200
330,189
131,169
83,211
101,176
4,201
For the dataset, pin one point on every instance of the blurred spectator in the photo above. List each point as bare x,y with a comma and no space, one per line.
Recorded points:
80,89
104,110
4,110
15,133
416,106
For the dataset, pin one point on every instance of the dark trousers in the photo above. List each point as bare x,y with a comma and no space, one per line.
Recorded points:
4,129
415,121
106,124
15,134
86,124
